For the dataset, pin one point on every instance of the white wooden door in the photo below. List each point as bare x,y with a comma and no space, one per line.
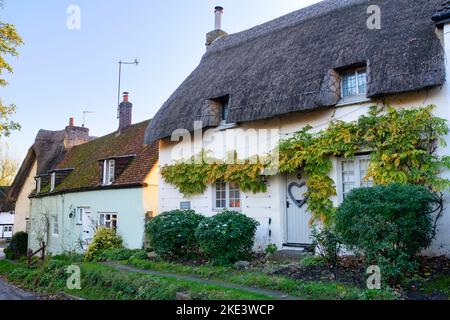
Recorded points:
298,230
88,225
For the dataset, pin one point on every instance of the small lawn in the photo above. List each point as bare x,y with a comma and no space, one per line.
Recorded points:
314,290
100,282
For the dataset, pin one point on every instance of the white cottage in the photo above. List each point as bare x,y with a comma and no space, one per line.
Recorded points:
330,61
6,215
109,182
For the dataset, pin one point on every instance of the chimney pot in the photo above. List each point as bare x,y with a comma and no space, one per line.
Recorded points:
218,21
71,122
125,96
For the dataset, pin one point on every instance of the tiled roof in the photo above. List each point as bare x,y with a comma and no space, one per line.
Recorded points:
85,160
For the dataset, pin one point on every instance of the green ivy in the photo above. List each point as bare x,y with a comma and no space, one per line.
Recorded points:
403,145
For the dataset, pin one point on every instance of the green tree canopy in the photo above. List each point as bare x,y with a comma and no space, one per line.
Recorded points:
9,41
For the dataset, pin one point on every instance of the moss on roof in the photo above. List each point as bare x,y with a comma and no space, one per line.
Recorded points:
84,159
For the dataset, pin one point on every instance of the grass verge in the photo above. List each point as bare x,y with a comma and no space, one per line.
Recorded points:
100,282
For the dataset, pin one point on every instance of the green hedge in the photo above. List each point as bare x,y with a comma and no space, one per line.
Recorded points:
18,246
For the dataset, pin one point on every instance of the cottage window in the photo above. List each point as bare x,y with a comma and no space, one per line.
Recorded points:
353,174
354,83
38,184
224,112
79,216
108,172
108,220
55,226
52,181
227,196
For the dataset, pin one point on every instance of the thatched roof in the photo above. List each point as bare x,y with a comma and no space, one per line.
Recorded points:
281,66
47,151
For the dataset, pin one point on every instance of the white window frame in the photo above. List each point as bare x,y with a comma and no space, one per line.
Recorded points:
38,185
52,181
227,198
55,226
109,168
79,215
357,173
355,73
102,220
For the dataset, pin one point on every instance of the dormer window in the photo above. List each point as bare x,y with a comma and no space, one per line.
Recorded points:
109,167
224,112
38,184
354,83
52,181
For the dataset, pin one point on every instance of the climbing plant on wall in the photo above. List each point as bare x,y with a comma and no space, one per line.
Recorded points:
403,146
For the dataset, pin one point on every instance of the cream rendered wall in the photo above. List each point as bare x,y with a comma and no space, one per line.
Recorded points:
150,194
129,204
23,202
272,204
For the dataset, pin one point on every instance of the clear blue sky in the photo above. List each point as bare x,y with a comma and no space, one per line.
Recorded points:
61,72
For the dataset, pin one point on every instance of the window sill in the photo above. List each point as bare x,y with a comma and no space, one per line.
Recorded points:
227,209
226,126
352,100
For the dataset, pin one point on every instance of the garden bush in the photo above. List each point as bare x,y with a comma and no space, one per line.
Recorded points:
227,237
104,239
327,244
390,225
18,246
172,234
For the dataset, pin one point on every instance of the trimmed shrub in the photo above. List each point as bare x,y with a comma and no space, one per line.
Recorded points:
327,244
172,234
104,239
119,254
18,246
227,237
390,225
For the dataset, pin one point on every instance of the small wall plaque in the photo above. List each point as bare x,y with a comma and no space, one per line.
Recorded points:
185,205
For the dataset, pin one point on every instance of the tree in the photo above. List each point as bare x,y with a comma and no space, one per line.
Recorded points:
9,41
8,166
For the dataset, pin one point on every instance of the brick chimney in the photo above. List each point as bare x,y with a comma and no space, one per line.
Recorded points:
74,136
125,112
217,32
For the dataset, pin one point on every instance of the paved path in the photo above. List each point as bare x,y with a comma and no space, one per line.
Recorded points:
10,292
276,294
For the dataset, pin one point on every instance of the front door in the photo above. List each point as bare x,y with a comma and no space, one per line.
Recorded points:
298,230
88,225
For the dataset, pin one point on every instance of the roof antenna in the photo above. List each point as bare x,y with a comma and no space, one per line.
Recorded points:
135,62
84,117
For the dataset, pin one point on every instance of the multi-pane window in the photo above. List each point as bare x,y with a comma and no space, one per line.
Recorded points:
108,220
227,196
38,184
55,226
224,112
108,172
52,181
354,83
354,174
